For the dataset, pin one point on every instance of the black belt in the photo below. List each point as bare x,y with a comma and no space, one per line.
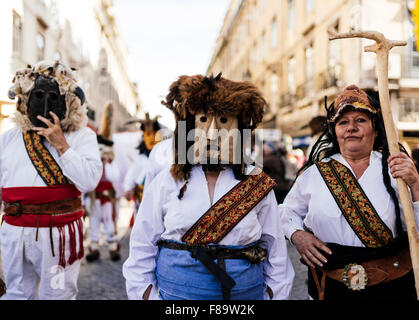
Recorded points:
207,254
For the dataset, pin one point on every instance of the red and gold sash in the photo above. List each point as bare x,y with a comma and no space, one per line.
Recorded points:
217,222
43,161
355,205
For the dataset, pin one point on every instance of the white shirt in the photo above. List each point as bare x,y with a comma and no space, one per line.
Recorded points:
81,163
310,203
136,173
161,156
163,216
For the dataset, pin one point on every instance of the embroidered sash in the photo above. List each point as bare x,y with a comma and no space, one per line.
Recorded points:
355,205
42,160
217,222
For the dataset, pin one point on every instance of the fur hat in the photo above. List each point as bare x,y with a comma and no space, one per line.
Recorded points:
352,98
190,95
24,82
217,95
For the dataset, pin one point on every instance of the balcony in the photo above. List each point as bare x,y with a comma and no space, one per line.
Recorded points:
410,65
409,110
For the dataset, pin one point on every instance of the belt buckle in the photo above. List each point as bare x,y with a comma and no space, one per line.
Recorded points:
355,277
19,207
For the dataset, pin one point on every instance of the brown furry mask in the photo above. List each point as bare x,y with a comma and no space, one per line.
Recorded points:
213,97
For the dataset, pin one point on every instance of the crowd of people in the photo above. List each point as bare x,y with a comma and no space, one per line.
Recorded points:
207,224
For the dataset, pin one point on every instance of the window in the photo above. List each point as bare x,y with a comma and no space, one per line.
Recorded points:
309,61
274,85
40,39
309,5
291,75
40,45
274,34
291,14
263,45
334,55
309,67
255,54
17,33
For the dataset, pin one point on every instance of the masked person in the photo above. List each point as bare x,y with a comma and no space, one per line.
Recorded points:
135,178
101,203
46,162
208,227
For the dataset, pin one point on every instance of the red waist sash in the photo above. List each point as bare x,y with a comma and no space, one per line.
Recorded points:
41,195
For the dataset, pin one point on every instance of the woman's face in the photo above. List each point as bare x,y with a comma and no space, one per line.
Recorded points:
355,134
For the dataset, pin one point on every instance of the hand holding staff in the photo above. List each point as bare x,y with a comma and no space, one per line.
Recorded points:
382,48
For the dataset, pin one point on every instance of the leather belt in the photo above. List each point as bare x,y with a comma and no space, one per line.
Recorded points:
378,270
51,208
370,273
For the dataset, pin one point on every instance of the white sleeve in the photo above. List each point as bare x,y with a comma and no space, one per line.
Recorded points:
129,180
112,172
139,269
81,162
294,208
277,268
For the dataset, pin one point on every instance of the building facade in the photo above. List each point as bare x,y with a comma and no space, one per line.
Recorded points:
83,35
283,47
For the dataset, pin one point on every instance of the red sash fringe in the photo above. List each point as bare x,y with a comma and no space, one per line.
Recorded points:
40,195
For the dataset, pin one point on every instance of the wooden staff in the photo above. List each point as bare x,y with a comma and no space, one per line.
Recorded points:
382,48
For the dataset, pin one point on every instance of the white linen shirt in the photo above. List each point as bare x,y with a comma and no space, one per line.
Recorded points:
136,173
163,216
310,203
81,163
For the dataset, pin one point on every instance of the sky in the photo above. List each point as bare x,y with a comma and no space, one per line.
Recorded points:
166,39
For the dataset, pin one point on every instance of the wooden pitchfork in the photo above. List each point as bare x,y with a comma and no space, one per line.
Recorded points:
382,48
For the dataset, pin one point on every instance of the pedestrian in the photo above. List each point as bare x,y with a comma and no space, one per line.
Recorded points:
46,161
276,165
135,178
101,203
343,213
200,232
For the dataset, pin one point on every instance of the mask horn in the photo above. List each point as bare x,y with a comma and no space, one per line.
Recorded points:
79,93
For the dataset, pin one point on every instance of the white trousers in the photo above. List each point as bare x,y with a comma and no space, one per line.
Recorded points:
101,213
30,270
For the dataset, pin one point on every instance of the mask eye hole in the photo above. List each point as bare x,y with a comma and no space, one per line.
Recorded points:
39,94
203,119
53,96
223,120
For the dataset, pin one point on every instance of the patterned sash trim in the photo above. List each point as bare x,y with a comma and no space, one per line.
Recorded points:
43,161
355,205
217,222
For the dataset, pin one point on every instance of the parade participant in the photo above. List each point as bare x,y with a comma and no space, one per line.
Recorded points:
101,203
343,212
208,227
135,177
46,161
160,157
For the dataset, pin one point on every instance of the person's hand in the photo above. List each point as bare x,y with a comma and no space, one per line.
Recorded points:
53,133
308,246
128,195
401,166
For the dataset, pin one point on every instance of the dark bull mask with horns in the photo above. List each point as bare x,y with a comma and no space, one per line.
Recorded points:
44,87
